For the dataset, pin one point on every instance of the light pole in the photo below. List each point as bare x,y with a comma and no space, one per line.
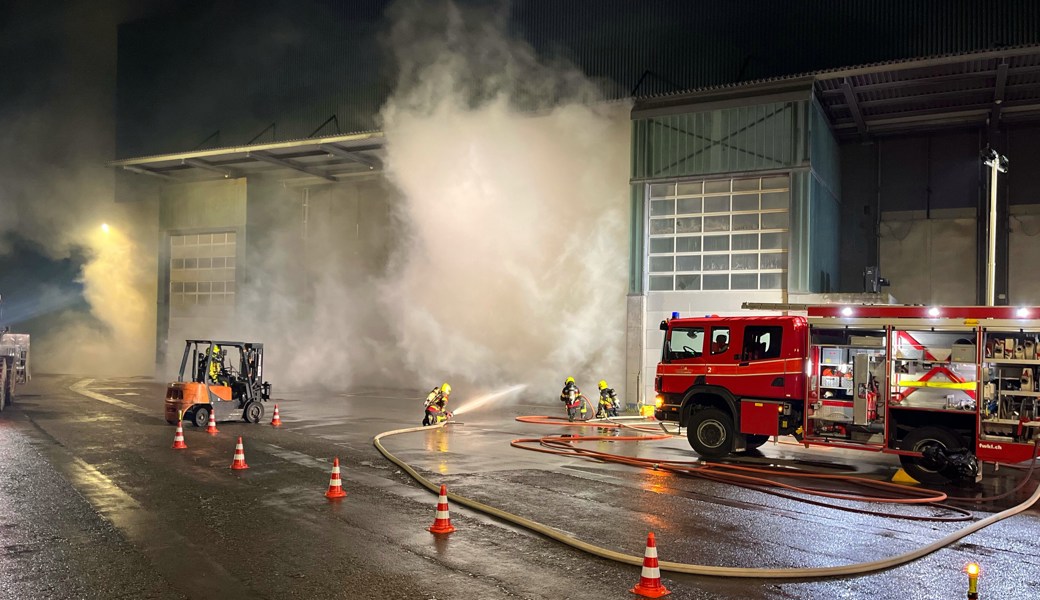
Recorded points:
997,163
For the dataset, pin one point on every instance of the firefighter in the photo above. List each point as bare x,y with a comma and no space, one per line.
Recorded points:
571,397
216,366
608,401
436,405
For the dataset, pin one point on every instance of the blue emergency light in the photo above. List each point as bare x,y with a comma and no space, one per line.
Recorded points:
675,314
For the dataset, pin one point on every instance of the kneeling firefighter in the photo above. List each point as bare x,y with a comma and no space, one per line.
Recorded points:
608,401
436,405
571,396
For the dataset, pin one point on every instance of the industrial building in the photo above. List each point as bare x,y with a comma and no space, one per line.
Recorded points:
779,150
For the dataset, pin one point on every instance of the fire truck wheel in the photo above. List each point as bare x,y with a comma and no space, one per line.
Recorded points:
710,433
917,440
755,441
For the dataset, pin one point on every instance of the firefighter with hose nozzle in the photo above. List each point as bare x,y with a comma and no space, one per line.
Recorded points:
571,396
436,405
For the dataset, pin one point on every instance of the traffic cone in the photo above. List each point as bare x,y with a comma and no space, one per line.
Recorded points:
650,585
178,438
276,421
335,485
442,524
212,427
240,456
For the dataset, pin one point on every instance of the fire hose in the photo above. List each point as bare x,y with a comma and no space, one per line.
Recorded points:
711,570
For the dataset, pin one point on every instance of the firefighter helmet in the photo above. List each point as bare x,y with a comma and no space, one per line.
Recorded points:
602,384
569,380
445,388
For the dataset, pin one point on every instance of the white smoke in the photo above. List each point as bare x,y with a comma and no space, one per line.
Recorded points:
513,258
55,192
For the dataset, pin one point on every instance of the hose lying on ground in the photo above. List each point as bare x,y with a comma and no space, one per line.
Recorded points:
717,571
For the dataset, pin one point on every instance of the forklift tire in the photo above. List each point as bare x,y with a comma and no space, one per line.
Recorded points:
200,417
253,412
710,432
917,440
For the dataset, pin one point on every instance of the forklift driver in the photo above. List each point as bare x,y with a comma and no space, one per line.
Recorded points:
217,372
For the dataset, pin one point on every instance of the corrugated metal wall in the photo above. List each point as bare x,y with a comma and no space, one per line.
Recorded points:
824,273
731,140
659,46
237,67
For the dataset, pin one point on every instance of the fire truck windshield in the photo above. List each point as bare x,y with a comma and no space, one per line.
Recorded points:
684,342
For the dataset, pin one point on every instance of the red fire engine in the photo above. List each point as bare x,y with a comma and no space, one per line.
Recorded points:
942,387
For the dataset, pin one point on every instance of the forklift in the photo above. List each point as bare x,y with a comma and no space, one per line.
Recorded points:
225,376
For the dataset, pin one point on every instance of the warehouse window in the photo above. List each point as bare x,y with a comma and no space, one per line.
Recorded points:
202,269
726,234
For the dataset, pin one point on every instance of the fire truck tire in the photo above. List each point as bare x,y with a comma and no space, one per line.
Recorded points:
710,432
200,417
755,441
919,439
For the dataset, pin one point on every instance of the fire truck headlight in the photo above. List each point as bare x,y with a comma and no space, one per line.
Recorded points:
1022,313
933,312
659,401
846,312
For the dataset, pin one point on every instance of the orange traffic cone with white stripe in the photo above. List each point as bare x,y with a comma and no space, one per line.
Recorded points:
212,427
335,484
650,585
276,421
178,438
240,456
442,524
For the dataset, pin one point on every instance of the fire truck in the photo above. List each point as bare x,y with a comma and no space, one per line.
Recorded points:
14,364
941,387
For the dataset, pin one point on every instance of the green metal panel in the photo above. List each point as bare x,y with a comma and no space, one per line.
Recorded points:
824,238
763,137
825,205
799,278
635,245
816,212
823,150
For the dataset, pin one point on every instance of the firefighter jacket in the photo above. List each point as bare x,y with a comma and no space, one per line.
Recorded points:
565,395
436,401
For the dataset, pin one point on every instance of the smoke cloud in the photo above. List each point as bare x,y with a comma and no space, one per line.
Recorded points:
55,192
512,263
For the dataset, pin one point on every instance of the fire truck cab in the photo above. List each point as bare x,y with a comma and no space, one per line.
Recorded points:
732,381
941,387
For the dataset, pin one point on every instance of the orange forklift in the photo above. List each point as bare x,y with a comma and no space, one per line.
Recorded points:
225,377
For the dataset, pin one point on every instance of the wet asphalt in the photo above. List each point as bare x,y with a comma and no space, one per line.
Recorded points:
95,504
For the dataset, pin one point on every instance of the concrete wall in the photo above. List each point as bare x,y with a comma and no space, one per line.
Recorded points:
930,261
923,174
187,208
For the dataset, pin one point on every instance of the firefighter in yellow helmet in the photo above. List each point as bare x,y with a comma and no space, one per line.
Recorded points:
572,398
216,366
608,401
437,405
